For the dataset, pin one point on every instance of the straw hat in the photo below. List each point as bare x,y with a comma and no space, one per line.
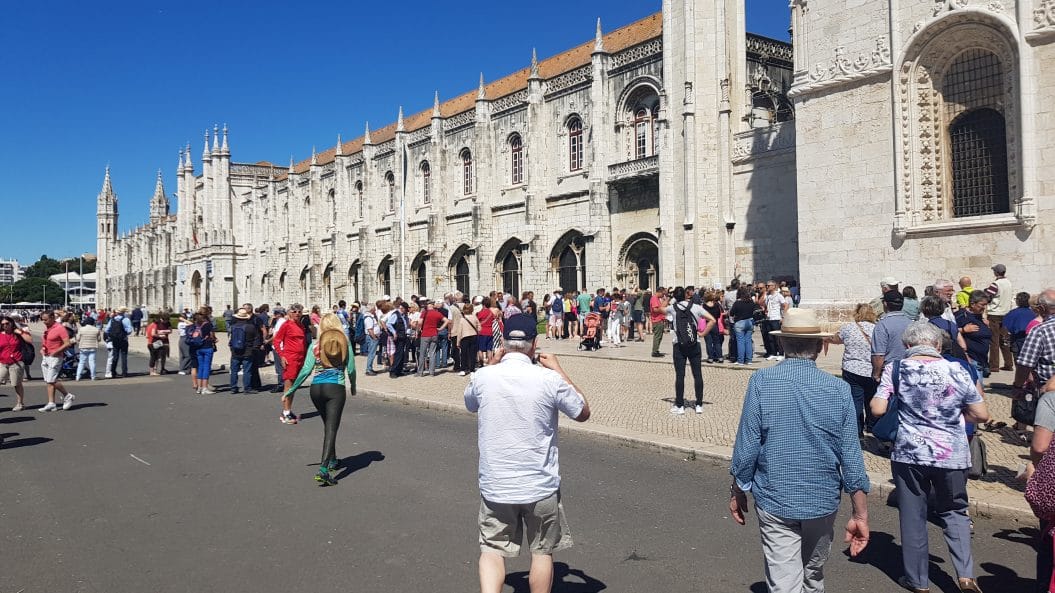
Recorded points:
800,323
333,349
242,314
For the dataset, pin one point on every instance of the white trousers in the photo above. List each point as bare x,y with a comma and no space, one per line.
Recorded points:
613,331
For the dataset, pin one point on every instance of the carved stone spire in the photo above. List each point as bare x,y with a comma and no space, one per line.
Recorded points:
159,204
224,149
189,165
216,139
481,94
340,147
598,43
179,167
436,105
314,157
399,120
366,135
291,164
534,65
108,188
205,154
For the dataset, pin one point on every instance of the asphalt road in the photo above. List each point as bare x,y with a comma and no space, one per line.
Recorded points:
146,487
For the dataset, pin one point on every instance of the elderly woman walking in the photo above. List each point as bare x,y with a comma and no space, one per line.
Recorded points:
931,455
856,338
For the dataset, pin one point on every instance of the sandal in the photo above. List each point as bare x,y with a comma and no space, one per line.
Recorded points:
993,426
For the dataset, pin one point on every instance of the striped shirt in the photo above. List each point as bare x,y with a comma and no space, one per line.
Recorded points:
796,447
1038,351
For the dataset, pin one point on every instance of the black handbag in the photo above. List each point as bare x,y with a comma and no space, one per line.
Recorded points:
29,353
1025,410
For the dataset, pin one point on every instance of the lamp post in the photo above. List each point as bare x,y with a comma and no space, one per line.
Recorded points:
66,287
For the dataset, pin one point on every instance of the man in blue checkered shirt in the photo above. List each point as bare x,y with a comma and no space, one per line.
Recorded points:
1037,354
796,452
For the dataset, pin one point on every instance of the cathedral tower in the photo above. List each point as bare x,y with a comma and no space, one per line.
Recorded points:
159,204
106,235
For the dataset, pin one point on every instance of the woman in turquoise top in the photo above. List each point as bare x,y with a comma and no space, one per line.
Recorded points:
330,360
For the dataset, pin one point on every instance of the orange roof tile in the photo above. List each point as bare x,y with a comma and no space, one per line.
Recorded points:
643,30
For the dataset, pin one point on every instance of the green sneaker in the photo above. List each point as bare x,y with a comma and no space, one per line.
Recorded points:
324,478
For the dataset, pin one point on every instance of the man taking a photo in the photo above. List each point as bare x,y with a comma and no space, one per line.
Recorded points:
517,403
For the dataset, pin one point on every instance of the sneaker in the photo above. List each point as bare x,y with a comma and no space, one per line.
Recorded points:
324,478
778,358
51,407
108,376
288,418
67,402
183,372
461,374
235,392
371,374
206,391
699,409
678,410
738,364
17,408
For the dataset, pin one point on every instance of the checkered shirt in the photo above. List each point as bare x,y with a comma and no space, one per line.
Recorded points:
797,446
1038,351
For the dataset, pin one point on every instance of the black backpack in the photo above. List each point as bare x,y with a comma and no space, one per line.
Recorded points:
685,325
400,325
116,333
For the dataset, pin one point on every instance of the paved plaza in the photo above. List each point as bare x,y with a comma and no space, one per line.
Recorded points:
145,486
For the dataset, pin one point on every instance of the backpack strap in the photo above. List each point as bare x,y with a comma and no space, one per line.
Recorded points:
895,378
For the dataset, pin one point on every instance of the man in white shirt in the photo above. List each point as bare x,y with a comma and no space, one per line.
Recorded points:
517,404
776,304
373,336
1001,301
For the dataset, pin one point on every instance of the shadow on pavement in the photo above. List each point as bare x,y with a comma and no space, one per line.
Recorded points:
1023,535
1002,578
88,405
565,580
16,419
885,555
19,443
350,465
306,415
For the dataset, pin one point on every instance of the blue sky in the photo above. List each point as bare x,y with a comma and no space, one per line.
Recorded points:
127,83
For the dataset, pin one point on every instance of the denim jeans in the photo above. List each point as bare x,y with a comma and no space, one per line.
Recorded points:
714,344
771,343
204,362
87,357
371,352
443,348
862,389
244,364
745,344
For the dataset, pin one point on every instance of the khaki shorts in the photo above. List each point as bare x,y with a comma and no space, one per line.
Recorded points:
503,526
50,367
12,373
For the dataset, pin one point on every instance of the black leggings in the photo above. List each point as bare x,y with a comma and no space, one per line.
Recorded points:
691,355
329,401
467,349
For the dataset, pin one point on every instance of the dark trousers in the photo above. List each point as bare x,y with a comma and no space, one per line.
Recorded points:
456,353
862,389
714,344
569,319
258,361
914,485
1044,558
329,400
120,354
771,343
691,354
186,362
468,347
732,344
400,355
245,365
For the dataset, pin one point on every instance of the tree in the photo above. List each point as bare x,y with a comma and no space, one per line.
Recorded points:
45,267
33,290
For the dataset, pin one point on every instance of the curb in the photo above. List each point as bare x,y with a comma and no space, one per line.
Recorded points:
880,490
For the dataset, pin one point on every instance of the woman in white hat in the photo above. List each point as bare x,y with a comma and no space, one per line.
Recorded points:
329,361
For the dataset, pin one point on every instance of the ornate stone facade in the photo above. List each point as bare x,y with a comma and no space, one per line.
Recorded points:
620,162
877,139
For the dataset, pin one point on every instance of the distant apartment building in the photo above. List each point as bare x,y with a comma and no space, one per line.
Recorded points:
10,271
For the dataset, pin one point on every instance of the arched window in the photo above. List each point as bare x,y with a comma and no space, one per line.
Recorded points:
359,196
511,273
575,144
461,275
516,149
420,278
467,171
972,91
384,275
426,183
390,184
643,138
331,205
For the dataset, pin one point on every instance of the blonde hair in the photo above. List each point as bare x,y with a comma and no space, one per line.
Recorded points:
864,312
330,321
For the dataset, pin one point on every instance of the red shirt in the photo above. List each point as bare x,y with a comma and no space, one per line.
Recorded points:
10,348
658,314
486,317
290,342
54,337
431,320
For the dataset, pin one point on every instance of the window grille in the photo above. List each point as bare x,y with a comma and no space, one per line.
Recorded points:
972,94
467,172
517,164
390,181
426,183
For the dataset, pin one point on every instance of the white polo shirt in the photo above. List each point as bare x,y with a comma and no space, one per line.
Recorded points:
517,403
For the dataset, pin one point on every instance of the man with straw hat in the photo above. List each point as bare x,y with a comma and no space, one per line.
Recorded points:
329,361
796,450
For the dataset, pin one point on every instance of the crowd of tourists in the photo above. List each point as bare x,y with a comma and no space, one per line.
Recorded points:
913,376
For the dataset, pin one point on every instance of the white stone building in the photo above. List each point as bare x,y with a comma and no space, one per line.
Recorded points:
925,143
662,152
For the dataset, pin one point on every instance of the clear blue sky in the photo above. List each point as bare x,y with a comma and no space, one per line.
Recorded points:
129,82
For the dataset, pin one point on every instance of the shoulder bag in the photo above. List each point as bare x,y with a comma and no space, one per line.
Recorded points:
885,429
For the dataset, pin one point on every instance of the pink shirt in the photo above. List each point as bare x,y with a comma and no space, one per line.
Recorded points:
54,338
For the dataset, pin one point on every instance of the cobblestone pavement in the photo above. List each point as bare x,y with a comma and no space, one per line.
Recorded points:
631,394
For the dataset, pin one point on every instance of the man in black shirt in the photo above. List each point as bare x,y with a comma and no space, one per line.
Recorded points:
245,340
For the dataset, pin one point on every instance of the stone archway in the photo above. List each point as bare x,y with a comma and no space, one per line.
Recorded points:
639,262
458,269
509,266
419,273
195,286
384,276
568,261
